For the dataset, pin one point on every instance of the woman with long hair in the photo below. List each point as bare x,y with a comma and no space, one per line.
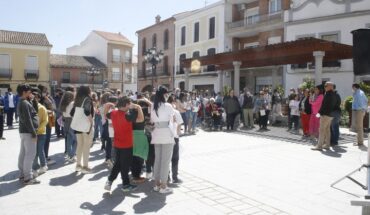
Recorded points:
98,118
316,101
84,139
66,105
162,115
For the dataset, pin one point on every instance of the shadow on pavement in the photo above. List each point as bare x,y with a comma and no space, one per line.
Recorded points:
106,205
59,161
10,176
99,173
10,188
153,201
332,153
66,180
97,155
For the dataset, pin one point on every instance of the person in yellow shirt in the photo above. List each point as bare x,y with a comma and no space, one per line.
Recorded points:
40,168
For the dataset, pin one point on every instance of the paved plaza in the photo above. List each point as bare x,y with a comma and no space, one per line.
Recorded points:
244,172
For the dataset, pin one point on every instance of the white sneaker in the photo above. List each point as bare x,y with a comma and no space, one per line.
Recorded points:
149,175
110,164
108,185
35,174
156,188
165,190
43,169
86,170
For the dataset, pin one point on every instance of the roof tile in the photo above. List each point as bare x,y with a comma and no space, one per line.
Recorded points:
24,38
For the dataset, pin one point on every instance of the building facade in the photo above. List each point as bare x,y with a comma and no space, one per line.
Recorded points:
72,70
131,84
251,23
161,35
112,49
199,33
24,58
329,20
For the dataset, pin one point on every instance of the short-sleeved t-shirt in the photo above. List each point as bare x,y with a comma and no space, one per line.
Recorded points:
123,128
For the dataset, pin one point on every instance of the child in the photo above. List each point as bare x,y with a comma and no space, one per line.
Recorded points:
122,120
294,112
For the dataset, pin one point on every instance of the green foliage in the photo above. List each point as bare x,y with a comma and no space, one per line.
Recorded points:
280,90
309,83
348,103
365,87
226,90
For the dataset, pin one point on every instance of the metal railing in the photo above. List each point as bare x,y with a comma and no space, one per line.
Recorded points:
160,71
254,20
116,59
127,60
204,69
5,73
31,74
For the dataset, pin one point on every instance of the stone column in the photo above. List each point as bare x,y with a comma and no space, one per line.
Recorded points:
274,77
186,70
237,65
220,77
319,56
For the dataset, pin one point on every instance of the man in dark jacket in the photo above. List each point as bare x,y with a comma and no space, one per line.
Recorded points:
28,124
326,112
247,107
334,128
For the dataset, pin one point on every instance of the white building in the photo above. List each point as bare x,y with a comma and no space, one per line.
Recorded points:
330,20
199,33
131,78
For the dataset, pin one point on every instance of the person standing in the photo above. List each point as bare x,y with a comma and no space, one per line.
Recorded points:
122,120
232,109
1,117
261,106
57,98
276,105
162,115
325,114
10,106
294,113
41,134
247,107
359,107
316,102
84,139
305,109
66,106
28,124
334,128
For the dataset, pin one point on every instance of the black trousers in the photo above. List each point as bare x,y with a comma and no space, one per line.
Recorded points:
1,125
230,119
263,119
175,159
47,142
9,116
137,166
122,165
149,163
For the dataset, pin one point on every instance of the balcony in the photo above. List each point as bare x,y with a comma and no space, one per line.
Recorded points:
205,70
311,66
160,71
127,60
252,25
31,74
66,81
116,59
5,73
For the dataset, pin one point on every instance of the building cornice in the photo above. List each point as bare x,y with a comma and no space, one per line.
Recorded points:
25,47
326,18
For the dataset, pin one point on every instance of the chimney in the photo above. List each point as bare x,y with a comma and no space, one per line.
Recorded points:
157,19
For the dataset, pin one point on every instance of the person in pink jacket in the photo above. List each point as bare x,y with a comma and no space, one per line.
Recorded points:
316,105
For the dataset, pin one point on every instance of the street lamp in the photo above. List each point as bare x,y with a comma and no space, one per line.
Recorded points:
93,72
153,57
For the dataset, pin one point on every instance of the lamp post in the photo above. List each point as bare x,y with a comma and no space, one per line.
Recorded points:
93,72
153,57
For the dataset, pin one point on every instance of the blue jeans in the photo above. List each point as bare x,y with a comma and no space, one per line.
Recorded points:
184,118
98,126
40,154
334,128
108,148
194,118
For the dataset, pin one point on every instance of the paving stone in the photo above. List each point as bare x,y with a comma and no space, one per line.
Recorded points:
251,210
225,200
269,209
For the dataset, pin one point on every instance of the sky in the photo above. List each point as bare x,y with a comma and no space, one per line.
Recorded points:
68,22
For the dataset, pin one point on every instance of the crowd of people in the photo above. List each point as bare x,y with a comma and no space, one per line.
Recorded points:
139,133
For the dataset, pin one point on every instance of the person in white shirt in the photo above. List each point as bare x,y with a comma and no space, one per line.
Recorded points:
178,121
294,112
162,116
66,106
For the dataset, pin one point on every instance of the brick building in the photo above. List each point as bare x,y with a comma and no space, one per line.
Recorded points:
70,70
162,36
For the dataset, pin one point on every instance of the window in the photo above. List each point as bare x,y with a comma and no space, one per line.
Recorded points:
154,40
275,6
32,67
143,68
98,79
212,27
183,35
274,40
116,74
182,57
196,32
66,77
83,78
330,37
143,45
127,57
166,39
116,55
210,52
196,54
251,45
165,65
252,15
5,66
333,37
127,75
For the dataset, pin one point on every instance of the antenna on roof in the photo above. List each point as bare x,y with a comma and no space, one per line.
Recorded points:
205,3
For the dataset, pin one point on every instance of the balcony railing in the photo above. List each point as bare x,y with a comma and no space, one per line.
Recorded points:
127,60
116,59
31,74
66,81
5,73
203,70
251,21
160,71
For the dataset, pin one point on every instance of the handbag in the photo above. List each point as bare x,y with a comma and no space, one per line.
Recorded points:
80,122
51,119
